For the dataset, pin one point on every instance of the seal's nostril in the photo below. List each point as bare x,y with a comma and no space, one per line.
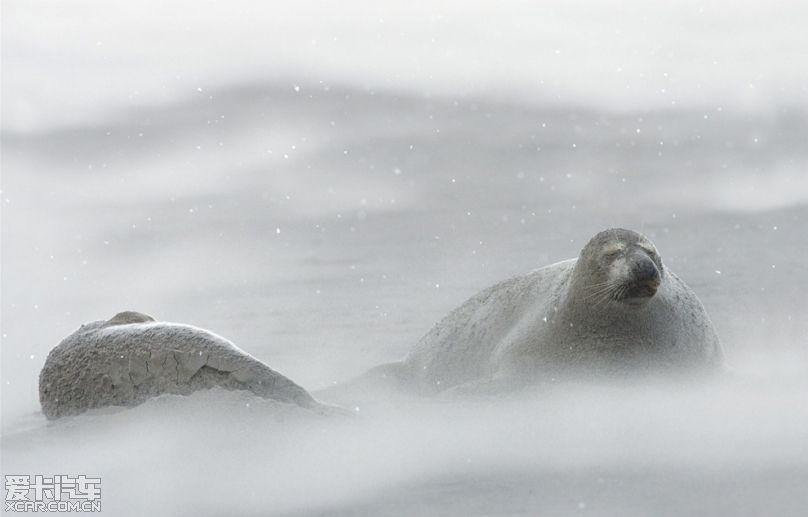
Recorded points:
646,271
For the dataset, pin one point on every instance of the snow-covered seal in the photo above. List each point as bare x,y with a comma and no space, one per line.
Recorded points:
615,310
131,357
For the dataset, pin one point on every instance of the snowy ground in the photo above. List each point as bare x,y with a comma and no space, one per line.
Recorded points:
324,222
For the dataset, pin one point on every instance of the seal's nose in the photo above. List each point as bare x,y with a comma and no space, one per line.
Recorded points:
646,274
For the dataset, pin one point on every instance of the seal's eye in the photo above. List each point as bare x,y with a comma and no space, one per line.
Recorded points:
652,252
612,252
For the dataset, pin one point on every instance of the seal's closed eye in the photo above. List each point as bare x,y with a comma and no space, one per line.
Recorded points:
649,248
613,250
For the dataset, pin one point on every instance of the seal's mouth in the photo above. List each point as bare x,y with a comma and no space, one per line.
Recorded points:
640,292
638,289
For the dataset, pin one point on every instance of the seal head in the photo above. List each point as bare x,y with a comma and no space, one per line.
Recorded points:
619,266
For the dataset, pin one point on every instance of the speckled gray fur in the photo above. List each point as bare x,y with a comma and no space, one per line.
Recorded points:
573,316
131,357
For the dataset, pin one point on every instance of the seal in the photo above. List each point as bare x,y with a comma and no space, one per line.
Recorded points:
615,310
131,357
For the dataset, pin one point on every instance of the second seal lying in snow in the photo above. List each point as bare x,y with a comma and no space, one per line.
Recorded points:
131,357
615,310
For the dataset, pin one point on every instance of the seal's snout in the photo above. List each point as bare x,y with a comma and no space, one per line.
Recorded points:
647,273
645,280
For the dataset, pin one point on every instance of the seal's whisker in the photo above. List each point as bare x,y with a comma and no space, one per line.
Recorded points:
601,302
599,284
597,293
597,296
601,291
605,297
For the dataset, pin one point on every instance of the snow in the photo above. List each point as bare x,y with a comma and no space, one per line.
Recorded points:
126,188
733,448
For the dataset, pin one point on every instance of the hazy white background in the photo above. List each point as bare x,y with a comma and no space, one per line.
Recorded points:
69,62
322,181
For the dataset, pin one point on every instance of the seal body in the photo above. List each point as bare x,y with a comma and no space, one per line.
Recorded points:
131,357
615,310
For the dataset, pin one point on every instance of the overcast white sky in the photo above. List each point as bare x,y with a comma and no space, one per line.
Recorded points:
67,62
